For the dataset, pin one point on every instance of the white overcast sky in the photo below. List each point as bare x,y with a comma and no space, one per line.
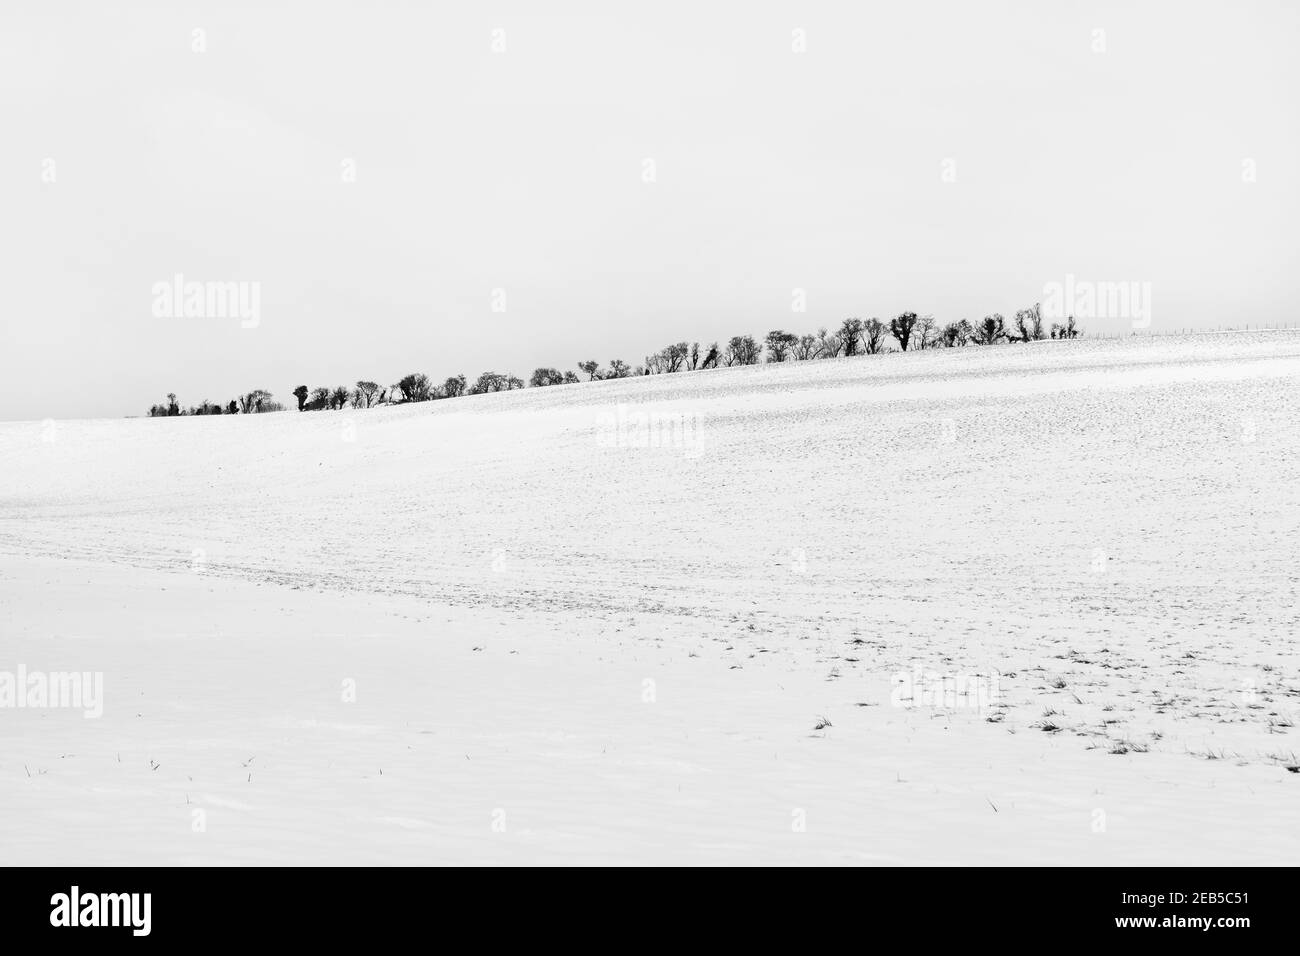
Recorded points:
523,171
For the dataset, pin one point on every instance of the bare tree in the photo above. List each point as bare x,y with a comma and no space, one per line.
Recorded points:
873,336
592,368
927,332
956,334
804,348
711,357
850,333
415,387
545,376
829,344
488,382
779,344
495,382
618,369
695,356
368,391
1064,330
339,397
901,328
742,350
254,400
991,329
675,356
1020,326
1028,325
454,387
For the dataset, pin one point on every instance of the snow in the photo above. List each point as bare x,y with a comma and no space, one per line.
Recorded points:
598,623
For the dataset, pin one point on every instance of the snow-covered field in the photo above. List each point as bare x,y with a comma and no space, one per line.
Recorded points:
600,622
